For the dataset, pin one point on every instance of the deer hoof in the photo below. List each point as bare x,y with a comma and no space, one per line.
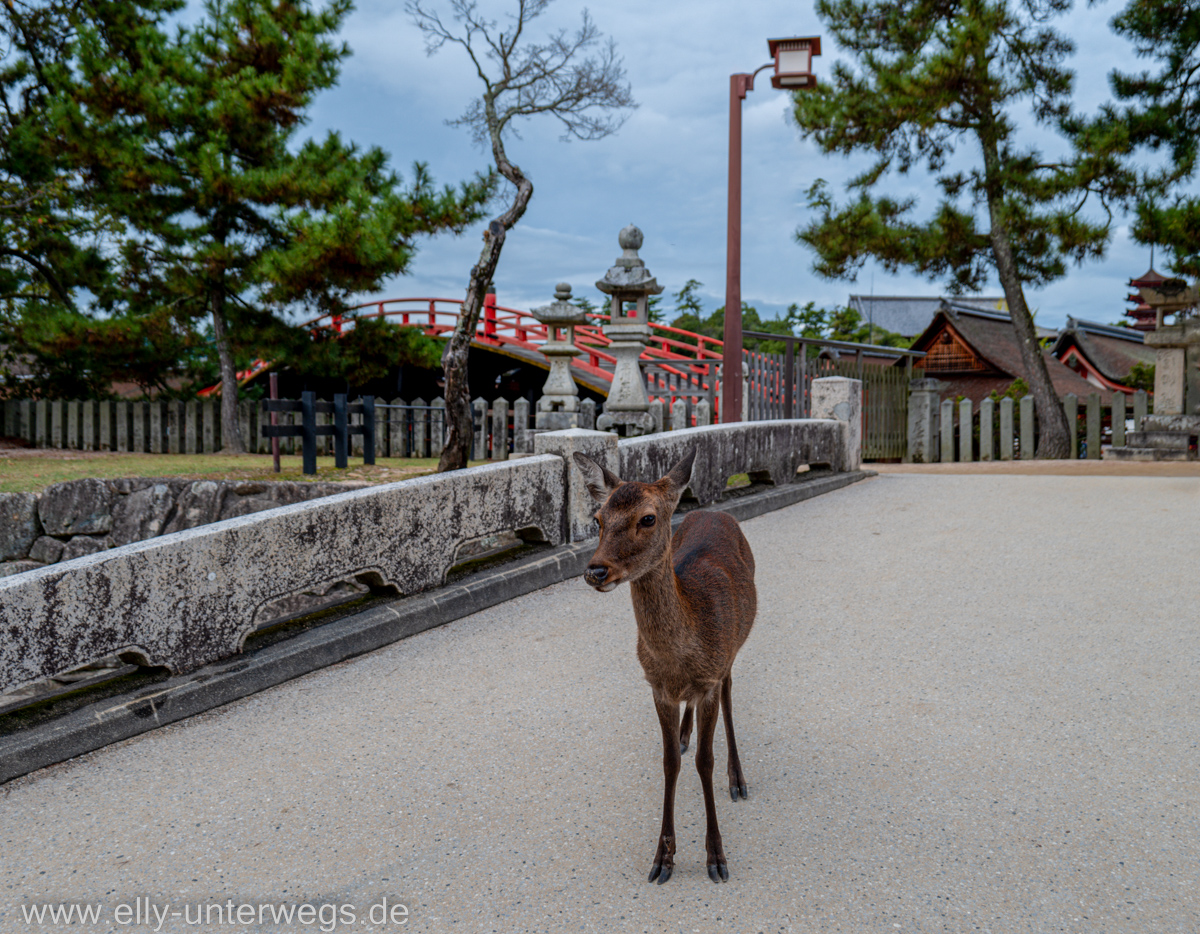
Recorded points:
660,872
683,746
718,872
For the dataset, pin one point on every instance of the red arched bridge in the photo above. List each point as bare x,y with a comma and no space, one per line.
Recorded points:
677,363
673,356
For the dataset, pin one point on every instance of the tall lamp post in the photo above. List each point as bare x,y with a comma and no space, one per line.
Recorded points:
792,61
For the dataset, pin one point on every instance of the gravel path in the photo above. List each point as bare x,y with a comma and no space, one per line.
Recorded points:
961,710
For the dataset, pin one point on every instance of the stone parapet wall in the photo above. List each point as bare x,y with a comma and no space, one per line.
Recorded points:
190,593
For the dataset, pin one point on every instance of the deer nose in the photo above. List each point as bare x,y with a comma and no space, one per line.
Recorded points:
595,574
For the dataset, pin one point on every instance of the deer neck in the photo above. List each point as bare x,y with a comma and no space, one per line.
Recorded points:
657,605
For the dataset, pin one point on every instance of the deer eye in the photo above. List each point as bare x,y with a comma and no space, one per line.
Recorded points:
646,522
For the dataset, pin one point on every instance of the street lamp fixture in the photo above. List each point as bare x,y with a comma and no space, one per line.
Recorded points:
792,60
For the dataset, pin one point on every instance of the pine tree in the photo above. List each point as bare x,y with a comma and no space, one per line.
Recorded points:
1161,114
189,138
936,79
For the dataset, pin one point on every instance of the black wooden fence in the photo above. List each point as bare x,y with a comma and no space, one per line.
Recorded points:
308,430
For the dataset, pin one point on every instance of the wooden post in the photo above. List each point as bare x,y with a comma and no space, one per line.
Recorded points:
308,410
341,431
789,378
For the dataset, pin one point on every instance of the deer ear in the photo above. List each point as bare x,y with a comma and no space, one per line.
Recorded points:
681,473
600,480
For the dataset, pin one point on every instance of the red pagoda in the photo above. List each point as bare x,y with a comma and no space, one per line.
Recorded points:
1143,314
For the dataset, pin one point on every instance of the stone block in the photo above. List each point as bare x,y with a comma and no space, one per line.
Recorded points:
77,507
600,446
840,398
966,446
187,599
20,524
10,568
1170,380
142,513
1006,429
82,545
46,550
987,432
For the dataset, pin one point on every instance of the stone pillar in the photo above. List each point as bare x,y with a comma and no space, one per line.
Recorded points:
41,432
600,446
630,285
87,416
107,429
1027,432
987,439
703,413
1093,426
587,414
522,437
1141,408
420,419
1176,368
500,430
1118,420
479,414
679,417
174,427
139,427
73,426
840,398
966,433
191,413
210,431
946,430
655,411
1006,429
922,421
437,427
56,424
121,414
1070,405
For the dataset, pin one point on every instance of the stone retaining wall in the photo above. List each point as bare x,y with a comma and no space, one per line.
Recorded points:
82,517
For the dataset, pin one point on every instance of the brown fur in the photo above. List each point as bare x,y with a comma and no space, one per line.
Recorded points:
694,601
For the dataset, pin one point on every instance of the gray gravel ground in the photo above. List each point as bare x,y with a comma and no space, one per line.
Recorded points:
964,708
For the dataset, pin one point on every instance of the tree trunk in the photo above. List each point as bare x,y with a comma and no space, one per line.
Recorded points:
231,437
1054,442
459,420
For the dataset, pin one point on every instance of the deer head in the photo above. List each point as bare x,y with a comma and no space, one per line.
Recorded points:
635,520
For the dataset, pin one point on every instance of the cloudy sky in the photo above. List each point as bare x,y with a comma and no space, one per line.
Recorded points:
665,169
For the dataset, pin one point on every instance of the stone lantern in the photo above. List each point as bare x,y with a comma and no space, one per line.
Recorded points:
558,408
630,284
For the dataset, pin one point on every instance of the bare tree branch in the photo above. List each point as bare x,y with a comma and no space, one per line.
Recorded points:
575,77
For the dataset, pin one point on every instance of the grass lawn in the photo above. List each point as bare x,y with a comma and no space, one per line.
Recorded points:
25,470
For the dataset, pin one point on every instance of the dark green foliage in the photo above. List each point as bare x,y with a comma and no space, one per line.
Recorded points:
176,148
367,352
1161,114
1141,376
1017,390
935,76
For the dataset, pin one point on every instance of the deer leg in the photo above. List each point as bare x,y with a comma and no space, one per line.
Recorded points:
737,781
718,871
685,730
664,858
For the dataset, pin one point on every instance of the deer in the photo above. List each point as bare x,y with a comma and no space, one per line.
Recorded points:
694,601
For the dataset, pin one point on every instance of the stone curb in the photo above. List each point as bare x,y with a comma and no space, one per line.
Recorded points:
117,718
